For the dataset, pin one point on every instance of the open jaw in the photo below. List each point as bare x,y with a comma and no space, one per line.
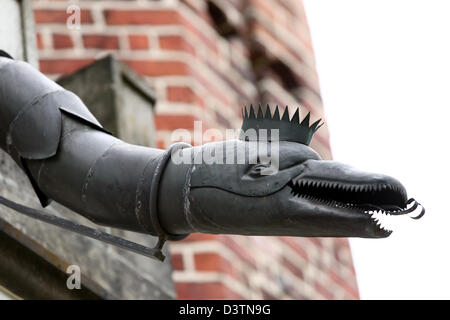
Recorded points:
382,202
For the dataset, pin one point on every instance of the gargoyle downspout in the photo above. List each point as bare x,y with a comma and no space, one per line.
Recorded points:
71,159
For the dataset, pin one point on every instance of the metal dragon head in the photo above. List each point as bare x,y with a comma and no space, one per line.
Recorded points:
302,195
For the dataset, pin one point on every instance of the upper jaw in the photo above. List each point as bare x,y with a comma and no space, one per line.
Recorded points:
345,184
347,191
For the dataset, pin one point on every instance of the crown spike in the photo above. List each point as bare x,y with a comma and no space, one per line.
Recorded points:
285,116
268,115
315,126
276,115
260,113
252,112
296,117
305,121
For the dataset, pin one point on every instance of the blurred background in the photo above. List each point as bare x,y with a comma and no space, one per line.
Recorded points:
382,68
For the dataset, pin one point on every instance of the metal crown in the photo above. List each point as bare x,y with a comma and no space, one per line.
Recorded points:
289,129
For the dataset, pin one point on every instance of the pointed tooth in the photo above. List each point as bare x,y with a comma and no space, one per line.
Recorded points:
252,112
295,118
276,115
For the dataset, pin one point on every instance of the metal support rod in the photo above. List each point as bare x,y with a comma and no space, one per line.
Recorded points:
154,253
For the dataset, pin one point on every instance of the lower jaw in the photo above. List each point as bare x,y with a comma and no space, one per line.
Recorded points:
379,218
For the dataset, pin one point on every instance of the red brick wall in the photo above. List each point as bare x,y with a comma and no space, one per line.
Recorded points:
204,60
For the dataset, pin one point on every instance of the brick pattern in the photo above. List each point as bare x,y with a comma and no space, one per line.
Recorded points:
205,59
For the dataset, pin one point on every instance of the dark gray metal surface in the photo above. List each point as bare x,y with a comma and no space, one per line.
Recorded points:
101,173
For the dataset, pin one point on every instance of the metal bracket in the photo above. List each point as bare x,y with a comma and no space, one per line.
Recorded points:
154,253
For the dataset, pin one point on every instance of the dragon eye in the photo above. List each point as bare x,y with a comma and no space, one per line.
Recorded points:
256,169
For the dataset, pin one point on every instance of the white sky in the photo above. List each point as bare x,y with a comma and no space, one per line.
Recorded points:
384,69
